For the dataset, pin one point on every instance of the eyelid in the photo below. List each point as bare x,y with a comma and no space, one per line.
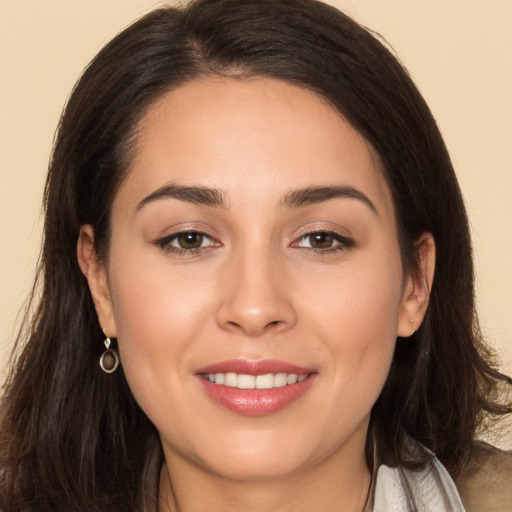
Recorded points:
165,242
344,241
183,227
312,228
337,236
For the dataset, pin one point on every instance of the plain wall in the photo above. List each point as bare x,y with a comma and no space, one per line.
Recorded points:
459,52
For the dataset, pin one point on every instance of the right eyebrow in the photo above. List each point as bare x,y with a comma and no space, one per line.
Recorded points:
189,194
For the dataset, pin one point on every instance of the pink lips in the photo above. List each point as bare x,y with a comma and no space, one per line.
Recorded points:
255,402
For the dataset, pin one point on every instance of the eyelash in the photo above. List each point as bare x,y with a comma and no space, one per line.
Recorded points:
344,243
165,243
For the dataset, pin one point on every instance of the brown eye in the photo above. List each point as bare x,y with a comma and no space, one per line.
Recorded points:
324,241
190,240
321,240
191,243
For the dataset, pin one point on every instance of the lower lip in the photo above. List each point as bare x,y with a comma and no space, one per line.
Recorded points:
256,402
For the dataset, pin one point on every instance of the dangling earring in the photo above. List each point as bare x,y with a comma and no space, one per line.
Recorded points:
411,321
109,360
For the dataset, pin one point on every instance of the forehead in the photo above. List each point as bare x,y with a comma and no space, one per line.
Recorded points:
247,136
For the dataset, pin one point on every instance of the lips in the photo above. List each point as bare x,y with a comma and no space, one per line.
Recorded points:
255,388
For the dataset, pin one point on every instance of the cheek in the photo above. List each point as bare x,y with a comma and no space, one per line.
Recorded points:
359,303
152,297
147,306
358,317
158,315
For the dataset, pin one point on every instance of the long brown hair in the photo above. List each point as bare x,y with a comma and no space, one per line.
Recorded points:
72,437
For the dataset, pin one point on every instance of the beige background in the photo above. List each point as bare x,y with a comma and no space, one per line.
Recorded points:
458,51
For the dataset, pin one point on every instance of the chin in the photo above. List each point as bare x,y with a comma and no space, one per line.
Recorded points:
252,456
258,469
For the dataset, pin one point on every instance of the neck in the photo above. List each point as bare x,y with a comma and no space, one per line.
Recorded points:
339,483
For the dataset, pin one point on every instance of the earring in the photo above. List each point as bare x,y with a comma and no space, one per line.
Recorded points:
109,360
411,321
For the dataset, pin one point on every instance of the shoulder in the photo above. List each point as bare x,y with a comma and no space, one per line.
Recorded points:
488,483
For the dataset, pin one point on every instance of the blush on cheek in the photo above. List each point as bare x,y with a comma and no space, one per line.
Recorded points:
364,349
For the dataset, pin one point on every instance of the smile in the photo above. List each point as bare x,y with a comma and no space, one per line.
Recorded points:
255,388
244,381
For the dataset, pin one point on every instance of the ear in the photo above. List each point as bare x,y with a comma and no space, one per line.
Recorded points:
417,287
96,275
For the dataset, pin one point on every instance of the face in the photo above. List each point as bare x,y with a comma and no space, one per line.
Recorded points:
254,280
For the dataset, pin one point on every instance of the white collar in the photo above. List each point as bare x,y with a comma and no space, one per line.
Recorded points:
403,490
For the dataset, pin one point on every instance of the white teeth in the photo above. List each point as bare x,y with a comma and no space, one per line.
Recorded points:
230,379
246,382
291,379
267,381
280,380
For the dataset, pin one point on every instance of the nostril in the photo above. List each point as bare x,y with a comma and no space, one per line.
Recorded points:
255,318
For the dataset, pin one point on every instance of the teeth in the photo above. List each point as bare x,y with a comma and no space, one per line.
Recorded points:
265,381
291,378
231,380
280,380
243,381
246,382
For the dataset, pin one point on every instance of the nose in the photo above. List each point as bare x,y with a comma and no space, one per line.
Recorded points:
256,297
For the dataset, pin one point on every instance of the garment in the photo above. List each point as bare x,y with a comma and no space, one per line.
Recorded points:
402,490
485,487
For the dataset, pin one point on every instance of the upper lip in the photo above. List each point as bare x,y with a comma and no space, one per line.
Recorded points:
248,367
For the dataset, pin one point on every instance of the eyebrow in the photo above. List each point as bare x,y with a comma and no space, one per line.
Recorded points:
192,194
294,199
315,195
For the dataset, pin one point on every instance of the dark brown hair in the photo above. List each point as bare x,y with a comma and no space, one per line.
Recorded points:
72,437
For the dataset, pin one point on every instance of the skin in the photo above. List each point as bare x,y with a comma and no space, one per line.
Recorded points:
259,287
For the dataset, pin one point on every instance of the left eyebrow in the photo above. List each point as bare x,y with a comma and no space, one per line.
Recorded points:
315,195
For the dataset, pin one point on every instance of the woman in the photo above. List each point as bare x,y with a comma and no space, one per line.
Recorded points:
257,282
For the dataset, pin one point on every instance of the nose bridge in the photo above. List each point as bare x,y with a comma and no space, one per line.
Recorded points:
254,300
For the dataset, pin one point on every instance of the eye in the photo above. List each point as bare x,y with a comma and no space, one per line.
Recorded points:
317,241
324,241
190,240
185,242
